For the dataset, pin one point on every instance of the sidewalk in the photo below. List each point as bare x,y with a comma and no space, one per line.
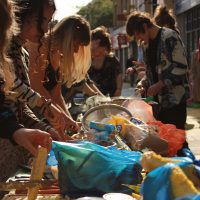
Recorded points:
192,126
193,130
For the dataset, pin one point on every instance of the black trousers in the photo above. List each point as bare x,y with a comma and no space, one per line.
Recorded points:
176,115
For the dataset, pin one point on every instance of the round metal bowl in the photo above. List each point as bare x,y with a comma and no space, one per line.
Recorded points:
101,112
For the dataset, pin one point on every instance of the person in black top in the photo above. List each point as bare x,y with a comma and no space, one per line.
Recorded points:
105,70
136,67
166,68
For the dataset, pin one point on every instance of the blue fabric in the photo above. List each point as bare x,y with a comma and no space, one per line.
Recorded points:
157,184
88,168
189,197
188,153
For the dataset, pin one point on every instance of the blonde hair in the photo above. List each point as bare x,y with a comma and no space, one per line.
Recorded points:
7,29
74,66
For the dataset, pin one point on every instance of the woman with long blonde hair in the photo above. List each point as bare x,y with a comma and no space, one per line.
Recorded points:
72,38
66,49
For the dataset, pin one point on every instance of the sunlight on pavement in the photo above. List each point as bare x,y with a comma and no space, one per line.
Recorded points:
193,130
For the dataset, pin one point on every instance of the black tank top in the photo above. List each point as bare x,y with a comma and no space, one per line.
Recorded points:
51,77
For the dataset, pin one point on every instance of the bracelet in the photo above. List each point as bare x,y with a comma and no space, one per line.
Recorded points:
45,105
47,128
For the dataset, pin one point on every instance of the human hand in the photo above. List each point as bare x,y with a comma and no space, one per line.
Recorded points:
30,139
59,135
59,120
79,124
138,64
140,88
130,70
155,88
54,134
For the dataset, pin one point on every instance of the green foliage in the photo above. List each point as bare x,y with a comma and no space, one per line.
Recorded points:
98,12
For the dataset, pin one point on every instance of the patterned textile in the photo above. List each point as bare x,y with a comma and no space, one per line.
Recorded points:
105,78
9,159
21,87
171,68
23,97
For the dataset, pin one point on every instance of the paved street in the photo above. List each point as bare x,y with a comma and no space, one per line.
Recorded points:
193,130
192,126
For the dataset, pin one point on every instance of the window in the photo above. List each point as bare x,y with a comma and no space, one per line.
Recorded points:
194,40
194,19
189,20
192,28
198,15
188,46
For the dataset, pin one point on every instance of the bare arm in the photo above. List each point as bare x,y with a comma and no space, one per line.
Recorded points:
119,81
37,65
91,89
58,99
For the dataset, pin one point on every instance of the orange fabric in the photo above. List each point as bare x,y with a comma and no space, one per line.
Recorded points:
175,137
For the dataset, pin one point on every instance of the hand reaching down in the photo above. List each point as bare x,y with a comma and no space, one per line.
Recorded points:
30,139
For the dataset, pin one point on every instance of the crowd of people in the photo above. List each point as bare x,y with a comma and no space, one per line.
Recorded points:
38,61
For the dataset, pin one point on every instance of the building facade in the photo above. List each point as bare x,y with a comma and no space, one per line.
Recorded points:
188,18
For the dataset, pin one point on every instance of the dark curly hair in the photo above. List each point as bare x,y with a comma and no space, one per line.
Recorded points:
101,34
164,17
30,8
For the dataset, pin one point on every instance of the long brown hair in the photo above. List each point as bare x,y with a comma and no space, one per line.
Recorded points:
165,17
7,28
30,8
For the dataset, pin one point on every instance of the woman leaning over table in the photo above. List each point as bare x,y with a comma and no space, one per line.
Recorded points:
9,126
33,19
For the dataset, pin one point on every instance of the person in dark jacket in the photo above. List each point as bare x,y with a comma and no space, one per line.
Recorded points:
166,67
